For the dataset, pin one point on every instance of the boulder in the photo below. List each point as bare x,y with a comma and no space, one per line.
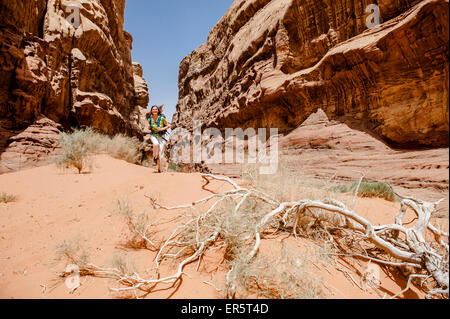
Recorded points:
31,147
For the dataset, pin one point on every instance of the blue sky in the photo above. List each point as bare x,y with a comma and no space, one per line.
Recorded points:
164,32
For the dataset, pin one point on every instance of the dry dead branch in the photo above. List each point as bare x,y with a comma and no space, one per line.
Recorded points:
401,245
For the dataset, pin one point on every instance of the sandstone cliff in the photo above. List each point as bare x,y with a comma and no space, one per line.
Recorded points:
272,63
69,62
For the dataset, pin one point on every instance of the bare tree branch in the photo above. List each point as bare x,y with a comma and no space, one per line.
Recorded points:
409,250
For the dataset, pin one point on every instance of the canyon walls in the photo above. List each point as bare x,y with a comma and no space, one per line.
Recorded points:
272,63
68,63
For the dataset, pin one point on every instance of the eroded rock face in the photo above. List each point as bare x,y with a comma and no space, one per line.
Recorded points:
272,63
73,74
52,66
32,146
332,150
140,85
335,153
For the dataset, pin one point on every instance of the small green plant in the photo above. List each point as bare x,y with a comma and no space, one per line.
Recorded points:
174,167
7,198
368,189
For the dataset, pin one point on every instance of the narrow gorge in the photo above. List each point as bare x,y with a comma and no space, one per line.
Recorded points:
62,65
354,205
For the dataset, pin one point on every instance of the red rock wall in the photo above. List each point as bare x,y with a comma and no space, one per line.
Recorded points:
273,63
74,76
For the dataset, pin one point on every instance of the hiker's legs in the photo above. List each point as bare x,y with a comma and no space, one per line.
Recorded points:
156,151
162,144
156,146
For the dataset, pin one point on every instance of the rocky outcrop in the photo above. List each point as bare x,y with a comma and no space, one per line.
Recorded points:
70,62
140,85
319,133
333,151
31,147
66,61
336,153
272,63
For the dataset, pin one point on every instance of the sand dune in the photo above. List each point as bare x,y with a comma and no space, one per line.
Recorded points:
54,206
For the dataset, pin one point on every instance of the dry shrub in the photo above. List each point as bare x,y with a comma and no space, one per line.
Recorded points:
288,183
124,147
239,218
138,225
125,264
237,228
285,274
313,223
73,252
7,198
235,220
78,147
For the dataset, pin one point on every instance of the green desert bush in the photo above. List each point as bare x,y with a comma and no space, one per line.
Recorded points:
78,147
368,189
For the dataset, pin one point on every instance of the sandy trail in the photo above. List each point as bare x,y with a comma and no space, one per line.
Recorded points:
54,206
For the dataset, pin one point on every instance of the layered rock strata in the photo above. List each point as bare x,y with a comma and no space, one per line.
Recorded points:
69,61
272,63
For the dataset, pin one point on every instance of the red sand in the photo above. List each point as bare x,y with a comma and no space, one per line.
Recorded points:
54,206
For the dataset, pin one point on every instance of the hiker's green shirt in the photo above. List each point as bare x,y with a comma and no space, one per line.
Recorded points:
161,122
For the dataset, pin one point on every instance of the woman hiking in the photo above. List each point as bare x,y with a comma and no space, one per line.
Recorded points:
159,127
